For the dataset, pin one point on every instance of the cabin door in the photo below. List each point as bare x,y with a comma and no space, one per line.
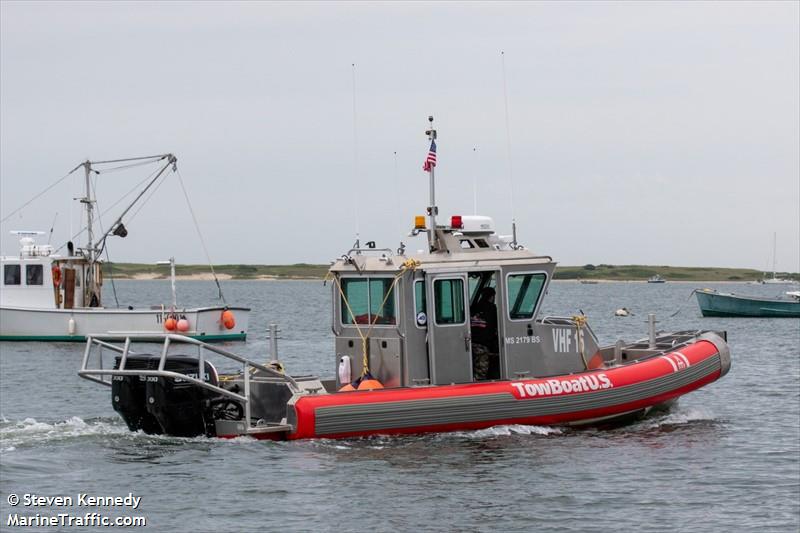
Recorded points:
449,329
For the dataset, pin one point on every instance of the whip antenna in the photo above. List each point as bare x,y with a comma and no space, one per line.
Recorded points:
474,184
508,146
355,160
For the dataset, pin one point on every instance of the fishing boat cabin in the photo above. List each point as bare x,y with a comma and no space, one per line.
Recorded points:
37,278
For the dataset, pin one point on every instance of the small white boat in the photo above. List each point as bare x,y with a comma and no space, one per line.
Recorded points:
656,279
50,297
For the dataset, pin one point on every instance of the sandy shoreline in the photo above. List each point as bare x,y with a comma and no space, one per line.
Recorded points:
209,277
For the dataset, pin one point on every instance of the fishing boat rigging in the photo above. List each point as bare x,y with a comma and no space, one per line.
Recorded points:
74,308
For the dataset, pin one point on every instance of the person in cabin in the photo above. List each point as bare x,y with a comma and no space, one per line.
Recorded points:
483,323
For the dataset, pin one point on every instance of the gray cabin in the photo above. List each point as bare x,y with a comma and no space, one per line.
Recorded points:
429,319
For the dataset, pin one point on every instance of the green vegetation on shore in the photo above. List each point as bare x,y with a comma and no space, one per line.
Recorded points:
670,273
308,271
296,271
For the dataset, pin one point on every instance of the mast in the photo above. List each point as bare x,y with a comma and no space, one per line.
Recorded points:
90,282
92,249
87,201
171,264
774,255
433,243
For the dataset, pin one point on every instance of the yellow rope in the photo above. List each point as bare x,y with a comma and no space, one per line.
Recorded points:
580,321
408,265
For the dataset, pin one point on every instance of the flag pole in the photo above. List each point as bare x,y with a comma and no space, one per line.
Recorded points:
432,209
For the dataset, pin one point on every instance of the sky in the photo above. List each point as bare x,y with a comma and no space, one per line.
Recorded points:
660,133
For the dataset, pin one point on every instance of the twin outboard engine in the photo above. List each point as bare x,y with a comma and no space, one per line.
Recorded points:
170,406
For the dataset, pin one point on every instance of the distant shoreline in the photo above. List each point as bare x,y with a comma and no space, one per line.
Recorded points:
304,271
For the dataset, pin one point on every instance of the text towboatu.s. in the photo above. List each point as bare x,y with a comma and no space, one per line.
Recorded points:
445,339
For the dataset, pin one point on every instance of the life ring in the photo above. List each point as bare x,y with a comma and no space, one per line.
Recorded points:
56,275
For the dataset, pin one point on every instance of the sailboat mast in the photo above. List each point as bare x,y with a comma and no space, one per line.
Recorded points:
774,255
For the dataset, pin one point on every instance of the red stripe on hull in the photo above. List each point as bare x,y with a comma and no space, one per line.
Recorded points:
583,384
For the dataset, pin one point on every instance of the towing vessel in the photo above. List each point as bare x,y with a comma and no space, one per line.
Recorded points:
450,338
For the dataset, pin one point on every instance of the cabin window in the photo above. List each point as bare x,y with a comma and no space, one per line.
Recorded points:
34,275
371,301
523,294
449,298
482,243
11,274
467,244
420,304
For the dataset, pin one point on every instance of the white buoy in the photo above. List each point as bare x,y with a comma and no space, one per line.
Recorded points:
71,326
623,311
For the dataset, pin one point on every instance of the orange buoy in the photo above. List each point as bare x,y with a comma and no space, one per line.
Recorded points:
596,362
347,388
170,323
370,384
228,320
56,275
183,325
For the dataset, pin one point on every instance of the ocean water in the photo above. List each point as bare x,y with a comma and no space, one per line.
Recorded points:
725,458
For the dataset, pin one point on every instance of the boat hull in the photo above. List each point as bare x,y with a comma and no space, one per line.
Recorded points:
713,303
25,324
584,398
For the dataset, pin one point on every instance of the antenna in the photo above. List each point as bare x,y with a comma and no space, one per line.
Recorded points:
355,160
430,165
474,184
396,187
508,146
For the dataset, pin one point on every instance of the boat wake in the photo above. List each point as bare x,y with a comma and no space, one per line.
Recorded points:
677,416
30,432
510,430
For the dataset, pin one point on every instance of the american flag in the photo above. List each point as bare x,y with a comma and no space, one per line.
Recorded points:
430,161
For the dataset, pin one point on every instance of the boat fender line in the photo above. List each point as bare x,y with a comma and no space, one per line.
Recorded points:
56,276
680,307
580,321
409,265
722,348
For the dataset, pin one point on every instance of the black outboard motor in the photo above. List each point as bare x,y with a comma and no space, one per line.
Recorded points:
128,394
181,408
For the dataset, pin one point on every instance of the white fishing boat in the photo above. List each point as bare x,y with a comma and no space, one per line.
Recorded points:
45,296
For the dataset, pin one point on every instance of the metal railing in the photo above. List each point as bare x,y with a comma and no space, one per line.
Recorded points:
97,374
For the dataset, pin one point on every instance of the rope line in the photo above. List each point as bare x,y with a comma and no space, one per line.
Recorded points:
580,322
26,204
409,265
200,235
112,206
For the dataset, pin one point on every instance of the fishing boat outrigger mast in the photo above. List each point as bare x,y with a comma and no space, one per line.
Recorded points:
442,340
45,296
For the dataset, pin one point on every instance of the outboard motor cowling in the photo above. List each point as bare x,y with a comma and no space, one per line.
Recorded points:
128,394
181,408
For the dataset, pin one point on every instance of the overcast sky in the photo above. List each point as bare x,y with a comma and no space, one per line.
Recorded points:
641,132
